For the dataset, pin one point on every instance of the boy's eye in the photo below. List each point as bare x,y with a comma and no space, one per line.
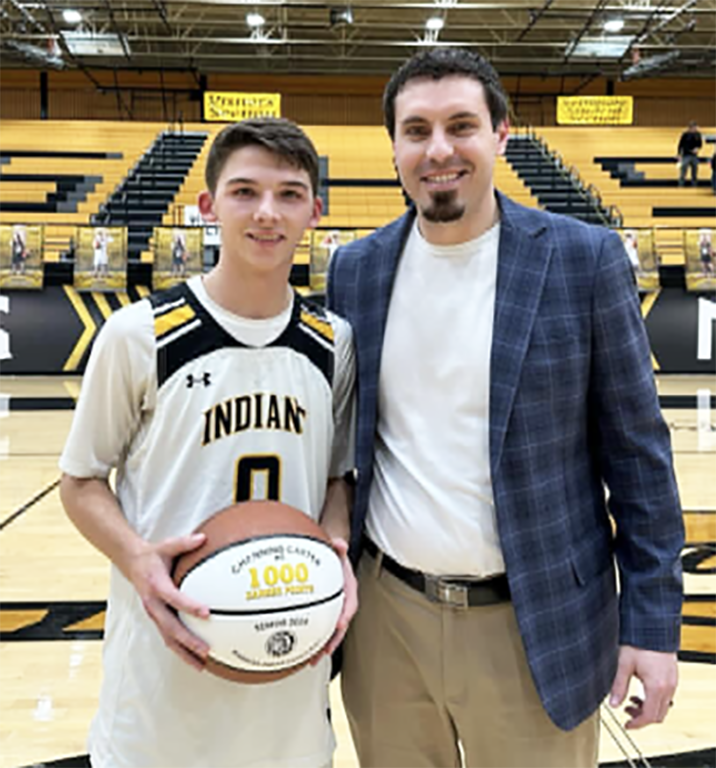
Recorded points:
243,192
290,194
416,131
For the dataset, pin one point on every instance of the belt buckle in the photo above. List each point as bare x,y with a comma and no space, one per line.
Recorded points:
438,590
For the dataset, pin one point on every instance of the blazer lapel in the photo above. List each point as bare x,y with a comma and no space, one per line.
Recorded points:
375,286
523,260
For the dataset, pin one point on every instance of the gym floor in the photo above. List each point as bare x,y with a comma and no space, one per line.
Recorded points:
53,587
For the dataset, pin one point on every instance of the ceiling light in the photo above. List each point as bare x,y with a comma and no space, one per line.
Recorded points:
614,25
339,16
71,16
434,23
255,19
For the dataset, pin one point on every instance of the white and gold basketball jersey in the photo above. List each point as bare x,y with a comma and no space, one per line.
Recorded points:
198,409
257,422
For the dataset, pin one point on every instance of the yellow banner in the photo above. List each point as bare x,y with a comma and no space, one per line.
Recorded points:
595,110
178,254
232,107
101,259
21,256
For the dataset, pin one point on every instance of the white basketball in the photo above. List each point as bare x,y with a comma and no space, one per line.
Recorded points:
274,601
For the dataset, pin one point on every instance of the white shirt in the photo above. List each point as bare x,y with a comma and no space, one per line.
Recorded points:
431,505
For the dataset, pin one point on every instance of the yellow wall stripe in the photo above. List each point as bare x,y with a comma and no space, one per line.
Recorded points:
143,291
88,333
100,299
173,320
320,326
646,306
124,299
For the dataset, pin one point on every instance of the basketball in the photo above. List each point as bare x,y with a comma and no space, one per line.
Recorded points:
274,587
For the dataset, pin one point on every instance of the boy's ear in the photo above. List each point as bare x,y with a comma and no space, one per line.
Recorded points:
206,206
317,211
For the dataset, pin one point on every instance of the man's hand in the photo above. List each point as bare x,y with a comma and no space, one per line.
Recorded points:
150,573
658,673
350,601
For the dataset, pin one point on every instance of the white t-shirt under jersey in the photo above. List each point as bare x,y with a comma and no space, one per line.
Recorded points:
431,506
173,472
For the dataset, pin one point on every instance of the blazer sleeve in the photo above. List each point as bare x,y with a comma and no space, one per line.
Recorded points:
634,451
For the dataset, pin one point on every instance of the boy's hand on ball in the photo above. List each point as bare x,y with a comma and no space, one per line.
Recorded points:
150,573
350,602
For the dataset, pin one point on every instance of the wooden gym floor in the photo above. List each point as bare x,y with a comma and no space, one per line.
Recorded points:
53,586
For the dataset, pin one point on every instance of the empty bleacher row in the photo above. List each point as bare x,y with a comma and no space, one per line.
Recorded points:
139,176
635,169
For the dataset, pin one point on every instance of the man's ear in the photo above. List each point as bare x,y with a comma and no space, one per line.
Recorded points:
206,206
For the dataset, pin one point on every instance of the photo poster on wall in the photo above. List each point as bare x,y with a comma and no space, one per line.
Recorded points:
639,247
699,247
178,254
21,256
324,243
101,259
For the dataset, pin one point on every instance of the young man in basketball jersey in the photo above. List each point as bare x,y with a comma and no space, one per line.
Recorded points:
159,369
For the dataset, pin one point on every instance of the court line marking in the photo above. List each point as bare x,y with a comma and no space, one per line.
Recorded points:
31,503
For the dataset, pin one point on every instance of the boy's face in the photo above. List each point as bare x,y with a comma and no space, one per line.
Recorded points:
264,205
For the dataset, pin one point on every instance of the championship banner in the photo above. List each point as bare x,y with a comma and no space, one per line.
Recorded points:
700,257
21,256
101,259
178,254
323,246
639,247
232,107
595,110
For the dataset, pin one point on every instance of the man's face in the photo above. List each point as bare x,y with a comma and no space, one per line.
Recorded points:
264,205
445,148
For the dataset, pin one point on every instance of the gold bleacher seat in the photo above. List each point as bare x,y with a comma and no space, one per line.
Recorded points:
581,146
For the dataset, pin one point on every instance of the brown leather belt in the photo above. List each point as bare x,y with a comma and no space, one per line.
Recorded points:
458,593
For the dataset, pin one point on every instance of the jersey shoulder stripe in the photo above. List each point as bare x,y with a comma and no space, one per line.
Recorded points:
320,325
185,330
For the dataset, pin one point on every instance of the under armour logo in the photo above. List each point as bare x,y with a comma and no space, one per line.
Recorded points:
204,379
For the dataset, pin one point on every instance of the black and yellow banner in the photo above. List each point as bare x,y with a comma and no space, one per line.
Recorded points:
230,107
595,110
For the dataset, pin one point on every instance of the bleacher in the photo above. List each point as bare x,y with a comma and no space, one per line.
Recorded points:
362,187
635,169
58,173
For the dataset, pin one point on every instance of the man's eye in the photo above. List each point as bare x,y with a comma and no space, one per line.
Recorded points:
291,194
463,127
243,192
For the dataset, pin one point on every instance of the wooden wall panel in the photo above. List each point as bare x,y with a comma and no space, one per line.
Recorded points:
324,100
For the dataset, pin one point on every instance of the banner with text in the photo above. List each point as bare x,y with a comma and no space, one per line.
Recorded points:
229,107
595,110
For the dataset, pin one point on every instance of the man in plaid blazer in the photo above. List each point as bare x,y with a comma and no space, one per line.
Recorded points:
510,452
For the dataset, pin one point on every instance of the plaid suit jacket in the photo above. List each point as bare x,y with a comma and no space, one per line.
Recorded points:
573,412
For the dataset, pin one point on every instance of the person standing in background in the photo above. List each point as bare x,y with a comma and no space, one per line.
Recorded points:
689,145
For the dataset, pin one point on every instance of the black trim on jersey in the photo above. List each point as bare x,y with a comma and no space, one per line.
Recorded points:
208,336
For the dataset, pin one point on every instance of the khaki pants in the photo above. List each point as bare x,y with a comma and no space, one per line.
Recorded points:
423,682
